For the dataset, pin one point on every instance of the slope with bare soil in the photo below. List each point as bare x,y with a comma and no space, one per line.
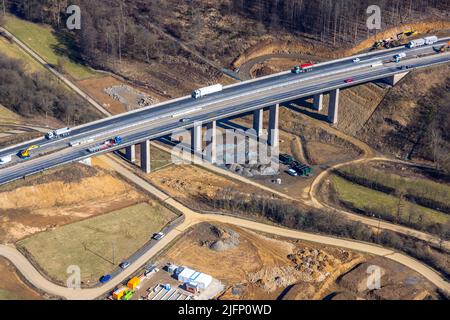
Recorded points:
193,185
401,123
60,196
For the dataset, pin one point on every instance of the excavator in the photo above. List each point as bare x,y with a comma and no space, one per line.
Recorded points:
442,49
406,34
394,41
25,153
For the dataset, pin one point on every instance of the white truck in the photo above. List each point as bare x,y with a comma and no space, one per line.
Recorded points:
422,42
5,159
206,90
59,133
399,56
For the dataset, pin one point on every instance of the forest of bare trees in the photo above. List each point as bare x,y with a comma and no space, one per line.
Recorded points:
34,94
341,20
114,29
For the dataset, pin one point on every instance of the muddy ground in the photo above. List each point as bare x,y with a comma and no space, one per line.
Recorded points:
257,266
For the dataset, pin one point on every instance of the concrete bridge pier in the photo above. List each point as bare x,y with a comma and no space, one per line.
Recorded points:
273,138
130,153
211,142
145,156
333,106
318,101
394,79
196,138
258,118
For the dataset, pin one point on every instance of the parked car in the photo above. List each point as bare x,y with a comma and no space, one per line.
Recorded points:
356,60
285,159
292,172
158,236
349,80
124,264
105,278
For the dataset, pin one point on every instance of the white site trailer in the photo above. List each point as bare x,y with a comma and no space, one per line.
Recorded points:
206,90
196,278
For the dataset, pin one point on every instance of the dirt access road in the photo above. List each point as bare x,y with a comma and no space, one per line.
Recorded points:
192,218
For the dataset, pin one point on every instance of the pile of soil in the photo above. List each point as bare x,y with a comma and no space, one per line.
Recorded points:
227,239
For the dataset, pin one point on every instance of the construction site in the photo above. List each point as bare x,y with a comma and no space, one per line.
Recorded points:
370,190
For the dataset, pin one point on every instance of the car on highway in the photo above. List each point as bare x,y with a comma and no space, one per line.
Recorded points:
349,80
292,172
105,278
356,60
158,236
124,264
185,119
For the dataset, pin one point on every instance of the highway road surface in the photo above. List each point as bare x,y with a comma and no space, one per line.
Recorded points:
159,120
192,218
236,90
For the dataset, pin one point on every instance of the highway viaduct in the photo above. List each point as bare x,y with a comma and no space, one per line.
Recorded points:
210,151
140,126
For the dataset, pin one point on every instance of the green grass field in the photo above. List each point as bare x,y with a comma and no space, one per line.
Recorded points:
11,50
92,243
43,41
417,187
381,204
8,295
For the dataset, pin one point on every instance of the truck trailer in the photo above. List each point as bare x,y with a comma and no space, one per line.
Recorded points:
59,133
421,42
206,90
106,145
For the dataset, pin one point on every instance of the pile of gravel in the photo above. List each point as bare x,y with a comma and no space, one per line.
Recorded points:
228,239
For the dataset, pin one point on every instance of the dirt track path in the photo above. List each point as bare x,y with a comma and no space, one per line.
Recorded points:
368,155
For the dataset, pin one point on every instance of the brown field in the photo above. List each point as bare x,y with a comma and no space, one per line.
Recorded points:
11,285
258,266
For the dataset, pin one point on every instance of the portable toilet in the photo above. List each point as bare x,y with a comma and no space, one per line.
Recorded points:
128,295
133,283
171,268
118,294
